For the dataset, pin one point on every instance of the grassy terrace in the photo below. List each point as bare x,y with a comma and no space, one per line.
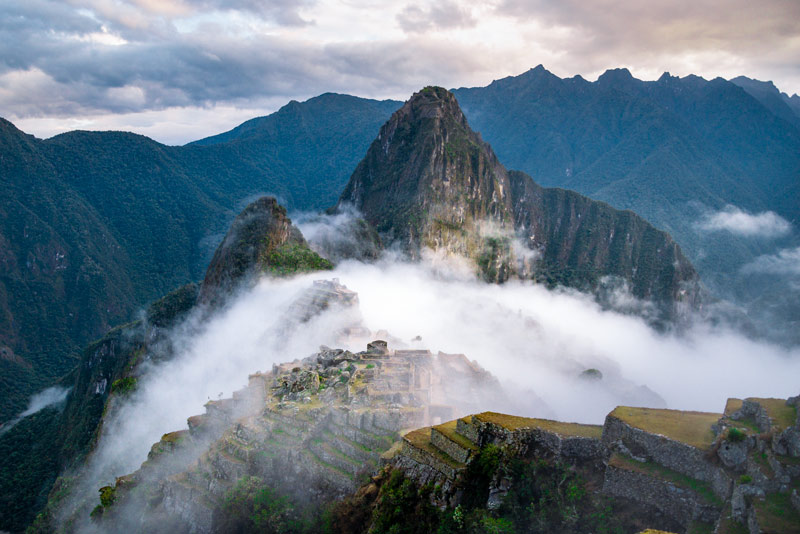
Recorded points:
782,416
421,439
776,514
659,471
692,428
513,422
449,431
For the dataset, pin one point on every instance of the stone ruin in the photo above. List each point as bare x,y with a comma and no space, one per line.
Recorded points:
319,427
691,471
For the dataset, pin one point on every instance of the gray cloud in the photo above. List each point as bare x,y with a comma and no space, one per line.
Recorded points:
76,58
282,11
763,35
439,15
767,224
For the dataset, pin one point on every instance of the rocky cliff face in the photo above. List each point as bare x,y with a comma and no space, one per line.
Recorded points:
429,181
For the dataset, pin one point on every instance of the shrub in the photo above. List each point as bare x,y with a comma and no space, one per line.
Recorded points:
123,386
735,435
107,496
745,479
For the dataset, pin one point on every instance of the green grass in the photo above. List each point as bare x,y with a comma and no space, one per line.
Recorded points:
782,416
421,439
760,458
775,513
659,471
691,428
292,258
449,431
513,422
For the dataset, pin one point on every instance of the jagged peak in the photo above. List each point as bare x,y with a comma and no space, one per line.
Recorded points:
666,77
433,101
540,71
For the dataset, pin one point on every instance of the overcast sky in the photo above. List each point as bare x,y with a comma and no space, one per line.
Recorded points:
178,70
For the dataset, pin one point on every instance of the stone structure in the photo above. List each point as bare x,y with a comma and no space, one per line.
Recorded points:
687,468
317,427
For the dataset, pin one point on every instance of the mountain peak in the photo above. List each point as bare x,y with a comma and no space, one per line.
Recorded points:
261,239
428,165
429,182
616,75
620,79
433,102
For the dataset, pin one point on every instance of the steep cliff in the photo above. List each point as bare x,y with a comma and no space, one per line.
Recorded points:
429,181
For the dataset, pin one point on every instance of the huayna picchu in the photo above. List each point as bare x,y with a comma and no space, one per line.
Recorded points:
429,181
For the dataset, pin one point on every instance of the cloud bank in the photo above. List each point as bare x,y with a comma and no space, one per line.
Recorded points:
767,224
99,60
536,341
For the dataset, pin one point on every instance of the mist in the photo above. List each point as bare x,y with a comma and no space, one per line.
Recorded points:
536,341
52,396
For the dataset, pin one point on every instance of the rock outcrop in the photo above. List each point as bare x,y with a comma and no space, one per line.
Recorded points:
262,239
429,181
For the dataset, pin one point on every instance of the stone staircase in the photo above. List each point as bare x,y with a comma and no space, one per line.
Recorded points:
438,453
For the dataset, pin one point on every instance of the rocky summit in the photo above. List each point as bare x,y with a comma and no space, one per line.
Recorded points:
261,238
429,182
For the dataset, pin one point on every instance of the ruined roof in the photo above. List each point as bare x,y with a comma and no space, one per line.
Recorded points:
691,428
513,422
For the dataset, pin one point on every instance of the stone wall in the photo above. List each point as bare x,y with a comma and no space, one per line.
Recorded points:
672,454
679,504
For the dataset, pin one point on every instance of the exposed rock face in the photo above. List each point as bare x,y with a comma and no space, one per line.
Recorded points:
429,181
261,238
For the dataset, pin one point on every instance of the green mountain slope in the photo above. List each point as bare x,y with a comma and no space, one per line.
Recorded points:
672,150
95,224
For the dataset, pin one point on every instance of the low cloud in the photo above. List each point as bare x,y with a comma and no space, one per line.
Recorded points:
731,219
536,341
786,262
52,396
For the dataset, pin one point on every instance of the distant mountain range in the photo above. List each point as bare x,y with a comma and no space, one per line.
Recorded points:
95,224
